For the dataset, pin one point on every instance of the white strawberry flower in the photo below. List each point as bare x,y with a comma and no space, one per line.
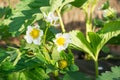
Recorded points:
33,34
62,41
51,18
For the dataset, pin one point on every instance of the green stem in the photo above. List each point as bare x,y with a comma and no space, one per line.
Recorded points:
56,74
9,2
51,51
4,60
46,30
61,22
96,68
70,52
18,57
89,15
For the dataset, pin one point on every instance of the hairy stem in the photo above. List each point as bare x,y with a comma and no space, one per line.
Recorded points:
46,30
18,57
96,68
61,22
56,75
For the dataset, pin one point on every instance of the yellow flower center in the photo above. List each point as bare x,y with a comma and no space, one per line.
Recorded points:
35,33
61,41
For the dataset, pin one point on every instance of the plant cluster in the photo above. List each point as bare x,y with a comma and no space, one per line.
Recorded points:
45,53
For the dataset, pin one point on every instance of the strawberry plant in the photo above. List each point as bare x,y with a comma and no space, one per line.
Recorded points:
45,52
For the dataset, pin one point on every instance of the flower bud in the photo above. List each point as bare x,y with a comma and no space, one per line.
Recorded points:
62,64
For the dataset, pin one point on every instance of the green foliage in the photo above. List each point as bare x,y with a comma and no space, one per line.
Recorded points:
111,75
98,23
4,33
27,63
5,12
29,11
75,76
25,14
110,30
74,68
112,26
39,62
66,8
16,76
80,42
55,4
36,74
78,3
105,49
96,40
115,40
3,55
105,5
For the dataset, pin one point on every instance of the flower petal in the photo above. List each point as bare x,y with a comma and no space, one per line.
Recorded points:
60,48
28,39
37,41
29,28
58,35
41,33
37,26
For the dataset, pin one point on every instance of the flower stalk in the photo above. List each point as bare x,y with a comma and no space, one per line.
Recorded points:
61,22
96,68
89,9
56,74
17,58
46,30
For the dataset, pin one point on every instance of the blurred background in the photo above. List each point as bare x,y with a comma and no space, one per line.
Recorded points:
73,19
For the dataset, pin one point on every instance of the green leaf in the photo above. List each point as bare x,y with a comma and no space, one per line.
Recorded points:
75,76
51,33
79,41
94,40
21,6
112,26
55,4
39,3
105,5
55,54
114,74
74,67
66,8
50,68
98,22
26,63
6,66
4,32
36,74
16,24
65,2
5,12
16,76
115,40
3,55
105,49
63,55
26,12
45,9
78,3
32,47
110,30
